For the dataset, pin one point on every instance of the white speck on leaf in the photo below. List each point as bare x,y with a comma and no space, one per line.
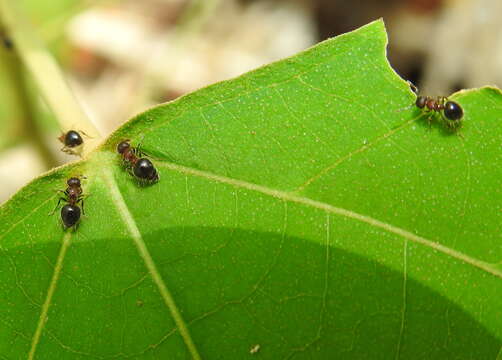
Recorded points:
254,349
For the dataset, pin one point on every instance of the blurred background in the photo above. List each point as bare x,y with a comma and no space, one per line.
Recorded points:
123,56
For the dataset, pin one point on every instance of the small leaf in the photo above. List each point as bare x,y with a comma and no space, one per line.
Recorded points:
298,212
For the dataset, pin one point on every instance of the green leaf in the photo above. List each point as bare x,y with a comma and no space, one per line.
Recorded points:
299,214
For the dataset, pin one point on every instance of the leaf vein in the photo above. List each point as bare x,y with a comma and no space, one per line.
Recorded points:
50,292
291,197
403,310
130,223
350,155
35,209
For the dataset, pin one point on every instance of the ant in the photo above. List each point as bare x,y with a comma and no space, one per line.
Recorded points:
70,213
449,110
70,140
135,162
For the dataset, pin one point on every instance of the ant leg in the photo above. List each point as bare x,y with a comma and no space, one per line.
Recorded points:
68,150
429,121
413,87
81,202
130,171
137,149
138,152
126,166
83,133
428,112
454,126
57,205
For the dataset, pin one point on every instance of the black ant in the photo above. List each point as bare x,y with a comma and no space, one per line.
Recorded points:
70,213
135,162
449,110
70,140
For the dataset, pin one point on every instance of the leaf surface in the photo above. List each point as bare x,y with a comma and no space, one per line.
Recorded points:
299,214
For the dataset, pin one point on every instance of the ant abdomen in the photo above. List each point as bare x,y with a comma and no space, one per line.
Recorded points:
453,111
144,169
70,215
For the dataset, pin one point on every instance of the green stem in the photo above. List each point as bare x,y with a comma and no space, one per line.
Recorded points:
26,124
46,74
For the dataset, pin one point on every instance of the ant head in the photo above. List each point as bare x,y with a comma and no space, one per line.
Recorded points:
421,101
123,146
73,181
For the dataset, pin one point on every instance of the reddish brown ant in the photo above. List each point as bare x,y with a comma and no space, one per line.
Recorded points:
451,111
70,213
135,162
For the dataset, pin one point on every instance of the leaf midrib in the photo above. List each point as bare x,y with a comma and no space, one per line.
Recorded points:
131,226
50,292
292,197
